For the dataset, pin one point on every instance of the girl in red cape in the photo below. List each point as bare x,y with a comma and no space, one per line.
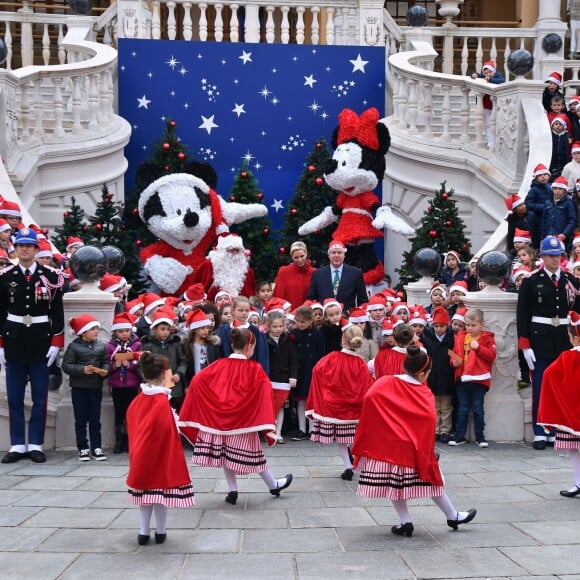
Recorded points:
340,380
560,401
158,477
389,361
227,404
394,446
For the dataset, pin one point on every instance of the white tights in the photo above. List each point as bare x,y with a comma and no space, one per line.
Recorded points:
145,512
301,414
575,461
442,501
345,455
266,475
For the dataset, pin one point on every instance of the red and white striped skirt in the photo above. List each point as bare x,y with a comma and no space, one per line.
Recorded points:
173,497
566,440
329,433
241,453
394,482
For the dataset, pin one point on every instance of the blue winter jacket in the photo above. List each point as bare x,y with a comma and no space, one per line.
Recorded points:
559,217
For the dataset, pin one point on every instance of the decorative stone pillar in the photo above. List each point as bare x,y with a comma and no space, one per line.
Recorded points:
371,25
448,9
418,292
574,27
548,52
133,19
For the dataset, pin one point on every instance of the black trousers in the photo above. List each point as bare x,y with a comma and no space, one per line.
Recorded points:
87,409
122,397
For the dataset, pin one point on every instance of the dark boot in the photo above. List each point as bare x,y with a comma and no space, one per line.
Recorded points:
118,441
125,443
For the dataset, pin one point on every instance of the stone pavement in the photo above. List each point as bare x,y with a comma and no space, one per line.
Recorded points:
66,519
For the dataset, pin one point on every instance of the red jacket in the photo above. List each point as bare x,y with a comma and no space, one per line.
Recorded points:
292,283
477,367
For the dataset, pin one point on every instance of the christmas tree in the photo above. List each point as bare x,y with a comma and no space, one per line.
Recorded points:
441,229
170,155
73,225
255,233
311,196
106,228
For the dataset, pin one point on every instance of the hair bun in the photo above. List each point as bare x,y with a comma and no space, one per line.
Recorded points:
413,350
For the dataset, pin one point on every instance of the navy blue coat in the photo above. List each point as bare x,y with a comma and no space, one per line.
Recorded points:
560,153
351,290
559,218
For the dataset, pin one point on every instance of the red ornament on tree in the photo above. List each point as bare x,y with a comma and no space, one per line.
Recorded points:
430,208
181,155
318,145
282,250
311,168
99,227
433,234
134,211
232,198
260,195
167,168
244,174
444,195
138,243
172,123
266,231
85,228
448,223
302,197
466,247
65,214
166,146
293,211
319,181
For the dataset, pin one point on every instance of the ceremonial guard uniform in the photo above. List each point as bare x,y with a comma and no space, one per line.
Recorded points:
544,300
31,335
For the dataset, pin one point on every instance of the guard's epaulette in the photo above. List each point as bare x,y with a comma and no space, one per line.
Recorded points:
7,269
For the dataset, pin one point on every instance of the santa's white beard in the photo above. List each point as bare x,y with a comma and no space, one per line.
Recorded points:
229,270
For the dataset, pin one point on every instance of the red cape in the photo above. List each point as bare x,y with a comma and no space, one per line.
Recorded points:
560,394
156,456
229,397
397,425
389,361
339,383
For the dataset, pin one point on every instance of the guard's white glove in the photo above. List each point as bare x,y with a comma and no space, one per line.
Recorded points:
2,357
530,357
51,355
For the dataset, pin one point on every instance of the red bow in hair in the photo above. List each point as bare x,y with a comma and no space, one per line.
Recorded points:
363,128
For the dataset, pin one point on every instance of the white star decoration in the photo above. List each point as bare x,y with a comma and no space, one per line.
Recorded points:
172,62
358,64
265,92
208,124
143,102
246,57
309,81
277,205
238,109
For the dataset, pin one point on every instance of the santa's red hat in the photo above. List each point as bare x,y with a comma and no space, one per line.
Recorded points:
82,323
560,182
222,294
391,295
574,320
440,315
554,77
418,315
330,302
562,118
541,169
313,304
277,305
10,208
357,315
377,302
195,293
513,201
196,319
111,283
230,241
453,253
336,245
438,286
459,314
150,301
73,241
400,306
133,306
344,324
576,239
44,249
459,286
123,321
163,316
519,272
522,236
574,99
489,65
388,327
40,232
4,225
575,147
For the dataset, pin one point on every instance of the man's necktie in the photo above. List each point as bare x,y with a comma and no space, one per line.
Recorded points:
27,275
336,282
554,281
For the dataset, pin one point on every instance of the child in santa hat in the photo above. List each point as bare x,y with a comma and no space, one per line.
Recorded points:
85,361
389,361
538,194
158,476
560,145
369,348
516,218
559,217
330,329
453,270
554,81
560,402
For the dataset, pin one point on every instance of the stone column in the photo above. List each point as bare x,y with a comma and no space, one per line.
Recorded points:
133,19
101,305
371,27
549,22
574,27
418,292
504,408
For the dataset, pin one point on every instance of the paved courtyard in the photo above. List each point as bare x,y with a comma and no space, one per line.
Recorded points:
66,519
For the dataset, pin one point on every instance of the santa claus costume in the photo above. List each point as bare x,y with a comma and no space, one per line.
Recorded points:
340,380
227,404
158,476
227,268
560,402
394,448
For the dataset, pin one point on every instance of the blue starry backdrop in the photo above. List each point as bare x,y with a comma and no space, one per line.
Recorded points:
263,103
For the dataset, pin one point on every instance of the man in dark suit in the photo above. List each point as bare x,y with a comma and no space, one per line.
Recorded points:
338,280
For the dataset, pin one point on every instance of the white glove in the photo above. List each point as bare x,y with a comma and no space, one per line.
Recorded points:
530,357
51,355
2,356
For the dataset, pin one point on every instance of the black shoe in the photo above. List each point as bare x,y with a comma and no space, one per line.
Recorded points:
350,456
160,538
300,436
37,456
143,539
232,497
403,529
550,442
437,437
539,445
13,457
276,492
444,438
566,493
457,522
118,443
347,474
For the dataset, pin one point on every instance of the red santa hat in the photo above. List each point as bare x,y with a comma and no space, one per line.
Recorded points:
230,241
276,305
574,99
10,208
575,147
44,249
4,225
377,302
562,118
388,327
576,239
554,77
4,257
391,295
82,323
196,319
40,232
222,293
123,321
195,293
400,306
438,286
150,301
418,315
574,320
111,283
519,272
313,304
291,316
573,265
522,236
541,169
330,302
345,324
489,65
459,286
133,306
163,316
560,182
440,315
336,245
513,201
358,315
452,253
72,242
459,314
71,280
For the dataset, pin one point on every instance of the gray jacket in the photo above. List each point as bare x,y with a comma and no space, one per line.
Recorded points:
77,356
